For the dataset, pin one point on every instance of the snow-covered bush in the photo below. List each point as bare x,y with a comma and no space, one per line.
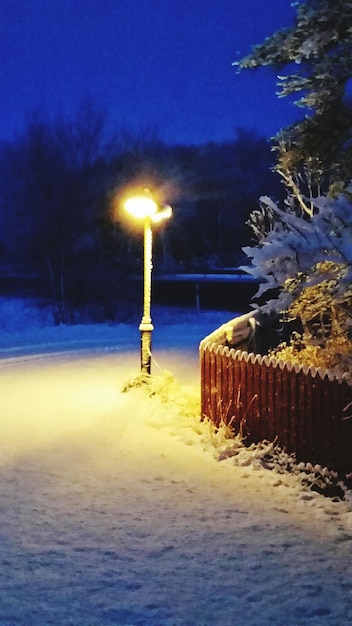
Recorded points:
305,263
17,314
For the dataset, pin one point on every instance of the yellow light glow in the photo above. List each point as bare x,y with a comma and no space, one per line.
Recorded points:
141,206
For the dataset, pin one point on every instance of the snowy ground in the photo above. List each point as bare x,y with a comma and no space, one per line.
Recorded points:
114,510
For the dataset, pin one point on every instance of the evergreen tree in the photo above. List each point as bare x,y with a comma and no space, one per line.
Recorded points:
316,53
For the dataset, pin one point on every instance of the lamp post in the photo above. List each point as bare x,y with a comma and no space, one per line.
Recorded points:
144,207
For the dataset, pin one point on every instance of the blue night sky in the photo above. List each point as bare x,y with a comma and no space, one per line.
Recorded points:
164,64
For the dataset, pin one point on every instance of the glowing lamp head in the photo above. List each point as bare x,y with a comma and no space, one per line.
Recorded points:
141,207
164,214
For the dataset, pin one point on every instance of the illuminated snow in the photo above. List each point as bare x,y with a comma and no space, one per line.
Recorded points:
114,511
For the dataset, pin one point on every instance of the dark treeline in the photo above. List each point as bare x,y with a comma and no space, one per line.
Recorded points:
61,221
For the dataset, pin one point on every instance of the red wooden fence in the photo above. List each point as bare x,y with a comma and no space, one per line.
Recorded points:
306,409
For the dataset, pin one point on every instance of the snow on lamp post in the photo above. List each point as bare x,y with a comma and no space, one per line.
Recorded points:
143,207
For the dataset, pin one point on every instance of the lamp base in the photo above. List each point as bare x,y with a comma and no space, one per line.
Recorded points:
146,349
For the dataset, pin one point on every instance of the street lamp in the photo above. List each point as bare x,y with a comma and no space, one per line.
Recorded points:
144,207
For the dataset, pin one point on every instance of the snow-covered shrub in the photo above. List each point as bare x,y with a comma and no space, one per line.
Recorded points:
17,314
306,265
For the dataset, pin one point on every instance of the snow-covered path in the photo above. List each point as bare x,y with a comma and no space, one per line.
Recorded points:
114,511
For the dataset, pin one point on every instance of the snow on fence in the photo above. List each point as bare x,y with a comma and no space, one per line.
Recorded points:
308,410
